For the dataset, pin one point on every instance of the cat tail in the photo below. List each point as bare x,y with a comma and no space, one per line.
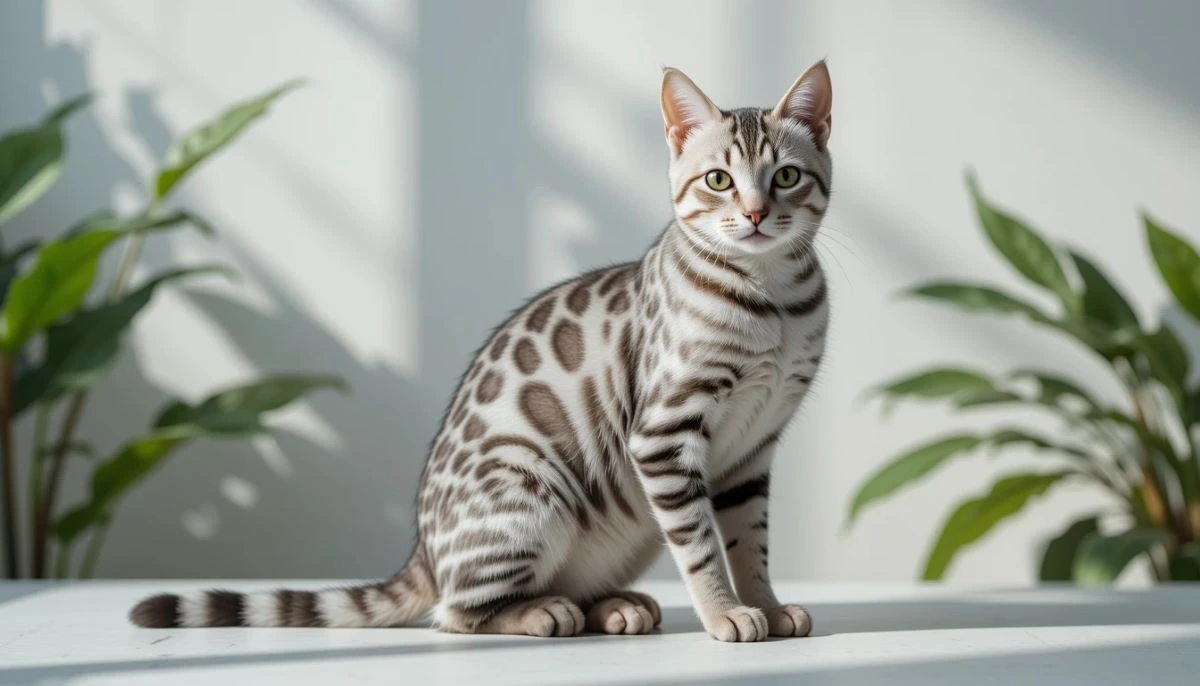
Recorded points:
406,596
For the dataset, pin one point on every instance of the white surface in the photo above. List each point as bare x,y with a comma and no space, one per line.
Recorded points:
346,211
864,634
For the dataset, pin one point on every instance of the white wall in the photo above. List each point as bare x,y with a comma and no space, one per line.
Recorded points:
342,211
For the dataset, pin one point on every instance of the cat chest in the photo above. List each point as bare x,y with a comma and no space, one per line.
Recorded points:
765,397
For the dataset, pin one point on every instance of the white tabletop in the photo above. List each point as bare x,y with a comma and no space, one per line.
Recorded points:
895,635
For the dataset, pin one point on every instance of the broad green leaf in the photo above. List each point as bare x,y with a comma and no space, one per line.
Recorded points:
974,518
1102,301
931,384
1058,558
59,280
1102,558
31,160
75,521
1178,263
1168,360
199,143
1023,248
83,347
55,285
1053,388
976,298
30,164
908,468
237,410
133,461
986,397
1185,565
1008,436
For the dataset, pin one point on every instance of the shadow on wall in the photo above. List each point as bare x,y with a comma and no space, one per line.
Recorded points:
355,503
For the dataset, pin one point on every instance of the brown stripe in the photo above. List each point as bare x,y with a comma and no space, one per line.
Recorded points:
746,301
748,458
805,274
702,563
730,544
661,456
819,181
694,387
687,184
157,612
809,305
742,493
692,423
681,497
682,535
709,257
225,608
358,595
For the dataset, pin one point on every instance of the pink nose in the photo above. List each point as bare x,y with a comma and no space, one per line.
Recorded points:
756,217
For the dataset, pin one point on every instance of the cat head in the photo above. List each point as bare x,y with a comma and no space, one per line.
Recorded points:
749,180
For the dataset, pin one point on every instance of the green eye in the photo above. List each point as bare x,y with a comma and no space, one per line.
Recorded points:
718,180
786,177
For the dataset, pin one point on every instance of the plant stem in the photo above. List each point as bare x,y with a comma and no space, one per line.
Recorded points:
8,471
88,568
41,423
129,260
1154,482
41,526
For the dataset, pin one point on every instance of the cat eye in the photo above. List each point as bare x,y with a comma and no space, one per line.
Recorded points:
718,180
786,177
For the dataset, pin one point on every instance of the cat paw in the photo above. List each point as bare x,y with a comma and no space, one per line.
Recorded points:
738,625
789,620
620,615
552,616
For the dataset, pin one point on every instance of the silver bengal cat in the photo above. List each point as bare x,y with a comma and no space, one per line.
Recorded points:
630,407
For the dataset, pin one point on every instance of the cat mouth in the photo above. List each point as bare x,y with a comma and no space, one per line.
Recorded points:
756,236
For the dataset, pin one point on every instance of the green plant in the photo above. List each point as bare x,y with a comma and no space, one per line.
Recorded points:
56,342
1141,451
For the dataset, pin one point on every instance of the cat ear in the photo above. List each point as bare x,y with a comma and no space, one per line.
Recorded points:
685,107
809,102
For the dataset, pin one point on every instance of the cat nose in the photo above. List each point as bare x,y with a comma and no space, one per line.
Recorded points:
756,217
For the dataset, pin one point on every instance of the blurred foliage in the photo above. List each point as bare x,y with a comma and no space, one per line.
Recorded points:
1142,452
59,336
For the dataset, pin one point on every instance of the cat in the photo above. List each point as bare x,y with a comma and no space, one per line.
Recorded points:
632,406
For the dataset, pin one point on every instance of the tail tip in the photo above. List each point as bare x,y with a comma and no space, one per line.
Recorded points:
156,612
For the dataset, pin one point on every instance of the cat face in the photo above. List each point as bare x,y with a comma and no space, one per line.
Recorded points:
749,181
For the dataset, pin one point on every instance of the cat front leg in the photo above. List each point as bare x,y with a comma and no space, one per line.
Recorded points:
740,502
668,453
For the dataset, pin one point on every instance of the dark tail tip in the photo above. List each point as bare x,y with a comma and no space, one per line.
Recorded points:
156,612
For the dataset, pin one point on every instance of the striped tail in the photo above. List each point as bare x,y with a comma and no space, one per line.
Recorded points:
401,599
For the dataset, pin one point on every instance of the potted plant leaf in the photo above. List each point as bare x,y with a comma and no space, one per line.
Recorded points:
61,331
1142,452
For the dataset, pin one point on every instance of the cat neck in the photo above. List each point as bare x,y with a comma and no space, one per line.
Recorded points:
771,274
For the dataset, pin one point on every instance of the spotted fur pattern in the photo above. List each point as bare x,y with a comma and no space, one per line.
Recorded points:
631,407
